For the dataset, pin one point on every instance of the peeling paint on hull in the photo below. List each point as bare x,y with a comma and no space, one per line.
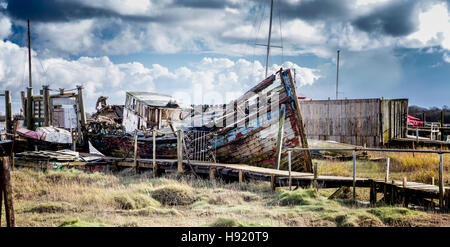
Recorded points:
255,143
123,146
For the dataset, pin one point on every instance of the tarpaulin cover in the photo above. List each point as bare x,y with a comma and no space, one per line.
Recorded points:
27,133
54,135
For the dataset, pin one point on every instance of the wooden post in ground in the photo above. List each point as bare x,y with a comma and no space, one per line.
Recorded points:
272,181
373,192
47,118
386,177
212,174
354,175
392,192
8,112
405,193
280,137
154,152
289,164
82,120
180,151
316,175
6,192
135,163
441,181
417,134
241,176
447,200
432,180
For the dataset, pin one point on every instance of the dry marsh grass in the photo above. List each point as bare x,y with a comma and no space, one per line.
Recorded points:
417,167
76,199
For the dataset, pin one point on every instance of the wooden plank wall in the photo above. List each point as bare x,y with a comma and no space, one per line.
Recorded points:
369,122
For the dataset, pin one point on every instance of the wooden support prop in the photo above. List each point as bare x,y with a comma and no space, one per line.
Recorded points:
432,180
441,181
212,174
405,182
135,163
6,192
180,151
280,137
272,181
354,175
241,176
338,192
289,166
155,169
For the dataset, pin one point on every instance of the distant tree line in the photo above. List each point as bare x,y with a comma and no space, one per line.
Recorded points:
432,114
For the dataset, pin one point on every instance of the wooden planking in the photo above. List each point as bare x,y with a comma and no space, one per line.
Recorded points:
355,121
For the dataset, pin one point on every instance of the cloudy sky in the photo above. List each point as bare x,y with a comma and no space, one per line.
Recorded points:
204,50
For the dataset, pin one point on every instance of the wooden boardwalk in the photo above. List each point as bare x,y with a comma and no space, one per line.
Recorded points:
392,192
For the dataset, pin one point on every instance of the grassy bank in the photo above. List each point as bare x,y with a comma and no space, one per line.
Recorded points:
74,198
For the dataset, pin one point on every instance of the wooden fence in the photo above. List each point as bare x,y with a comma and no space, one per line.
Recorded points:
370,122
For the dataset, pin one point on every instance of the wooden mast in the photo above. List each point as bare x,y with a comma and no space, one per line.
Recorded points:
29,110
268,40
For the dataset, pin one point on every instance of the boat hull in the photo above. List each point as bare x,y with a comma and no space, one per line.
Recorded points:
254,140
122,146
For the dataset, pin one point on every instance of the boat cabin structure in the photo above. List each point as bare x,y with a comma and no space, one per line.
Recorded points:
147,110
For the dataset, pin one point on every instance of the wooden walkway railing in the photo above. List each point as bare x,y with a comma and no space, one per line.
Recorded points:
440,190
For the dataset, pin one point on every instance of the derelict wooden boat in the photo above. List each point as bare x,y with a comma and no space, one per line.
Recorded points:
122,146
252,137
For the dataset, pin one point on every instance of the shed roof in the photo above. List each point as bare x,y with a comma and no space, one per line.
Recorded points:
154,99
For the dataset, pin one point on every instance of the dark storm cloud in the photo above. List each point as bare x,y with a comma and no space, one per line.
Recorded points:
209,4
63,11
395,19
314,9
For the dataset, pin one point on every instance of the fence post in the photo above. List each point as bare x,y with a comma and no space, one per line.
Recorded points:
386,178
417,134
180,150
154,152
290,178
441,181
354,175
8,112
135,152
6,191
316,175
